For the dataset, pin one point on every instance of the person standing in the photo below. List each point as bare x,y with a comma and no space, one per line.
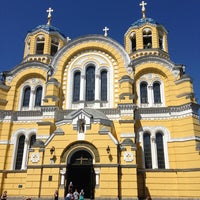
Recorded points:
81,195
56,195
4,195
70,187
76,195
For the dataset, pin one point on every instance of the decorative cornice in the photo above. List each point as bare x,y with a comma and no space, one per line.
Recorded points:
156,59
172,109
94,38
4,87
3,102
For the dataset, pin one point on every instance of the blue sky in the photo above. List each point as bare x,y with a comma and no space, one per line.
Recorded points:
76,18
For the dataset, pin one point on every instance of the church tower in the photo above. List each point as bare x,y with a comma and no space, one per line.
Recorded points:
146,37
43,42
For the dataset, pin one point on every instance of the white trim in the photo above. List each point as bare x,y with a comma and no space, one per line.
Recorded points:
150,79
14,140
166,137
33,83
100,61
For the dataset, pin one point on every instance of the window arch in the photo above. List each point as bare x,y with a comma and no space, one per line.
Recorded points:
32,140
133,41
76,86
156,92
40,44
90,83
31,94
160,150
104,85
20,152
38,96
147,150
154,147
147,38
143,92
26,97
54,46
161,45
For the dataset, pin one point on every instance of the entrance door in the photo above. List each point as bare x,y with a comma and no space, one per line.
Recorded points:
80,172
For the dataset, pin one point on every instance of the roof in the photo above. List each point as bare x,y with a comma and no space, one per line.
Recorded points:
145,20
48,28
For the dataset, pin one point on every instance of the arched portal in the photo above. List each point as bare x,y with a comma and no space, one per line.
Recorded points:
80,172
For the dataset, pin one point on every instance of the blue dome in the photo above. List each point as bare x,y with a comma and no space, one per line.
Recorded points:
143,21
48,28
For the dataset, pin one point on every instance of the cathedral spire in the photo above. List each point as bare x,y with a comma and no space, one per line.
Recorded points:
50,10
143,4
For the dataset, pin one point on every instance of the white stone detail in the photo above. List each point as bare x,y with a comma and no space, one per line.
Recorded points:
35,157
128,156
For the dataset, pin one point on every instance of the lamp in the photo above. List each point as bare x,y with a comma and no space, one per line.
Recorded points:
52,150
108,149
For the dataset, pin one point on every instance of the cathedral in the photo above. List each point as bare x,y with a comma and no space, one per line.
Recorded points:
118,121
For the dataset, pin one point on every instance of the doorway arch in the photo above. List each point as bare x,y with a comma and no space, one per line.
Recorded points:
80,172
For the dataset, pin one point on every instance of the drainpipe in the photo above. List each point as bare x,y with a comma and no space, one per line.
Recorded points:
119,171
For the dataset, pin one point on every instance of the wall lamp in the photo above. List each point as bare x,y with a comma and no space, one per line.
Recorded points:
108,149
52,150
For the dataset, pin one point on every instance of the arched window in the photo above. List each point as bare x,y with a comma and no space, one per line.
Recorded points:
147,150
156,92
90,83
143,92
161,46
104,85
40,44
76,89
26,97
32,140
160,150
20,152
54,46
38,97
147,38
133,42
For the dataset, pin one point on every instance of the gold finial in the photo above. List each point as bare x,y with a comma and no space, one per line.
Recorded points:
143,4
50,10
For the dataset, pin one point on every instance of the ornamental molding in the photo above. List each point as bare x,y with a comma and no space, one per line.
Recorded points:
175,69
192,107
91,38
20,68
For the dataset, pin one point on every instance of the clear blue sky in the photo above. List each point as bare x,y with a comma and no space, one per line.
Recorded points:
81,17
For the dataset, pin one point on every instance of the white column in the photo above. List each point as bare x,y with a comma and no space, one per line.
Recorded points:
62,179
97,87
154,152
32,99
97,174
150,95
82,88
25,154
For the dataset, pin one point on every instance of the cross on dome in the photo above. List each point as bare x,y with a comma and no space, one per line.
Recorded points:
143,4
49,11
106,29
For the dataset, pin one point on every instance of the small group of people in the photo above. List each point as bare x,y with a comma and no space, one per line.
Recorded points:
72,194
75,195
4,196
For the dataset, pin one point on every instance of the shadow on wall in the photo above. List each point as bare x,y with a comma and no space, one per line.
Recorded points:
148,195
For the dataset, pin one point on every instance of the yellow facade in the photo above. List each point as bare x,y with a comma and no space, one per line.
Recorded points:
118,122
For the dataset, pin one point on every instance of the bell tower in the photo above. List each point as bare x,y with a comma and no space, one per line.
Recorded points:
42,43
146,37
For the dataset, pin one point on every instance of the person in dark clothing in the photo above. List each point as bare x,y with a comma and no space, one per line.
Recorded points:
4,195
56,195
